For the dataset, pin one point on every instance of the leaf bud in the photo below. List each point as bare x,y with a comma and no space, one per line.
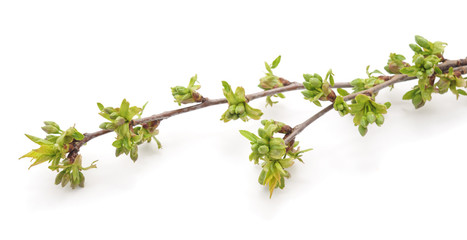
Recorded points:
113,115
81,179
240,109
419,61
379,119
362,130
103,125
263,149
371,117
316,83
58,178
108,110
120,121
49,129
422,42
232,109
134,153
428,65
65,179
364,122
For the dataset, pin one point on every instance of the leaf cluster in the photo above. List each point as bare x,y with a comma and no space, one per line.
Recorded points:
185,95
276,156
238,106
366,111
72,173
128,137
396,63
361,84
54,146
271,81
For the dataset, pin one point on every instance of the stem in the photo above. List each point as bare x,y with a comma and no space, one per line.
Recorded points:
393,80
288,86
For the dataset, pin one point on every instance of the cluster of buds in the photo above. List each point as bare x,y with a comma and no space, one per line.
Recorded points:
54,149
341,106
121,121
396,63
318,89
427,48
451,81
361,84
238,106
271,81
274,153
366,111
54,146
72,173
185,95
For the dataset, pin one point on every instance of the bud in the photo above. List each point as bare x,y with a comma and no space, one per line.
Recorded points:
428,65
81,179
65,179
52,124
422,42
362,130
58,178
240,109
120,121
371,117
379,119
419,61
49,129
113,115
103,125
415,48
108,110
232,109
134,153
340,107
263,149
364,122
316,83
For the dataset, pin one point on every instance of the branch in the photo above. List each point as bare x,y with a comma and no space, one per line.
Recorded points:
392,80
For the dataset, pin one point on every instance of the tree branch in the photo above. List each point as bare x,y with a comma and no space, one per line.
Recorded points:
393,80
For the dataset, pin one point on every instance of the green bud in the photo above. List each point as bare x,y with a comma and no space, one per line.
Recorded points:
422,42
49,129
362,130
415,48
240,109
58,178
340,107
235,117
419,61
254,147
110,126
364,122
52,124
81,179
103,125
316,83
65,179
134,153
120,121
232,109
263,149
109,110
428,65
371,117
379,119
113,115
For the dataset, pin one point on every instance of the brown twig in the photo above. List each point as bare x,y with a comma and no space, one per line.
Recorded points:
288,86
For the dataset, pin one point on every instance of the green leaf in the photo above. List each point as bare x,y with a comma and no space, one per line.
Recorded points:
100,106
276,62
462,92
268,68
37,140
422,42
124,107
250,136
342,92
253,112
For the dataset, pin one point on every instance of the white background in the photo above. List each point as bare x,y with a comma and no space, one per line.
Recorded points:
405,180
